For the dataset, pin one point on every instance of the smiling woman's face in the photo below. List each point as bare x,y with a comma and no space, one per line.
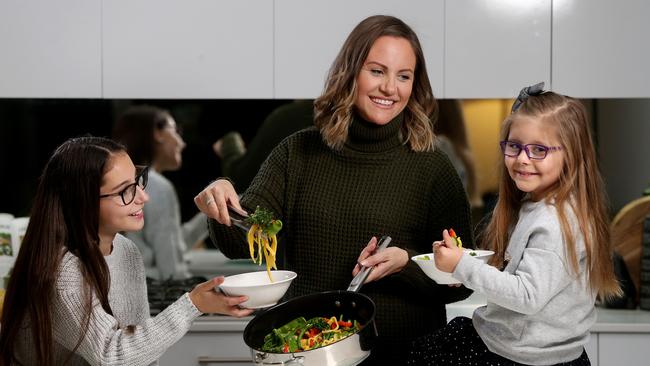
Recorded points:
385,82
114,216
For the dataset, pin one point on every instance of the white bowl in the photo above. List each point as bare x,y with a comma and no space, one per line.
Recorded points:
261,292
441,277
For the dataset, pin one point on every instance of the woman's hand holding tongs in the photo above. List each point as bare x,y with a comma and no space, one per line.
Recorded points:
215,199
385,262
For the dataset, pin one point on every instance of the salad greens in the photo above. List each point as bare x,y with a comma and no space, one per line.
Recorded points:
302,335
264,219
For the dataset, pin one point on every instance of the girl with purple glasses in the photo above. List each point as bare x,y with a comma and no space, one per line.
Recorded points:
549,232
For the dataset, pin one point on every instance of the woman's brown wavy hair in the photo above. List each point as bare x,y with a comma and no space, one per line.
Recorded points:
64,217
334,108
580,187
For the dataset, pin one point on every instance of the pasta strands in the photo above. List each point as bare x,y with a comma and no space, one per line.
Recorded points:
260,245
250,236
262,240
268,264
274,245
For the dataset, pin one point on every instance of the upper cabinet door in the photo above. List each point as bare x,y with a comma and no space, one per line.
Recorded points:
601,48
50,49
200,49
493,48
309,35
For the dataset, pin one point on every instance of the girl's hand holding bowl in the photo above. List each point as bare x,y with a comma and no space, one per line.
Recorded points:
440,264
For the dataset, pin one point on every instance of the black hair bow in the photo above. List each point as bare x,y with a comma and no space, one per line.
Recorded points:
536,89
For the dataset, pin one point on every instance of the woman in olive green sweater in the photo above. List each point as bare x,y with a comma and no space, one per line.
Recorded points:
367,169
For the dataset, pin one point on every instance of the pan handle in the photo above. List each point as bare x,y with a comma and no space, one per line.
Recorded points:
360,278
295,360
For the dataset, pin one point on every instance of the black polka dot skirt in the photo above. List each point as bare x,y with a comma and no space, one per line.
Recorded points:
459,344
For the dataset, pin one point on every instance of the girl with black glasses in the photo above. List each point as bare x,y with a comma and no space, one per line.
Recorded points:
78,294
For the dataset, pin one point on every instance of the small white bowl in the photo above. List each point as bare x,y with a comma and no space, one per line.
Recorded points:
261,292
445,278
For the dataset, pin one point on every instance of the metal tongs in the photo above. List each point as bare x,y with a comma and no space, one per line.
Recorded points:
360,278
238,218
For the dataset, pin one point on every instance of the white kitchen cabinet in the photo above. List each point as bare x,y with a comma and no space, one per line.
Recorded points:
199,49
600,48
248,49
616,349
494,48
223,349
216,341
50,49
309,34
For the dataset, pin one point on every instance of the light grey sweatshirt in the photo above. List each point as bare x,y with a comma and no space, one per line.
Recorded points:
106,342
164,241
538,312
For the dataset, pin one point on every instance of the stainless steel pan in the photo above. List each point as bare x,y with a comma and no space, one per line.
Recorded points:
352,304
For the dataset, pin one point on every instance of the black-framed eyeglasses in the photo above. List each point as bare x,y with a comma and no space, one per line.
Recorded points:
533,151
129,192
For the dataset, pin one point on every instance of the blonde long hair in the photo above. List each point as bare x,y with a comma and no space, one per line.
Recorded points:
333,110
580,187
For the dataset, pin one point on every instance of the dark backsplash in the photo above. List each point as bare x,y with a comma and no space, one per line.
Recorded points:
30,130
162,293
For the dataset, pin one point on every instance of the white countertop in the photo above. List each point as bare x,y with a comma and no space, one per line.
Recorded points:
622,321
609,320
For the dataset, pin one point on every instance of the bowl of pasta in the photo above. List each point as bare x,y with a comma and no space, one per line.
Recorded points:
427,264
263,290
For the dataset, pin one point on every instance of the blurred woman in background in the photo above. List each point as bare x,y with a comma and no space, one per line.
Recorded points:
152,137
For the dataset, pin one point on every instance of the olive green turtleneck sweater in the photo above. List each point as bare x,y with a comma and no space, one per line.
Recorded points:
332,203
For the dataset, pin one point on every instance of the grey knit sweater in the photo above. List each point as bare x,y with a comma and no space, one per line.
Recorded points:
106,342
538,312
333,202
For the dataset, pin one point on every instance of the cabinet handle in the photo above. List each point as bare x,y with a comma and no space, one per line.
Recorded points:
207,360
